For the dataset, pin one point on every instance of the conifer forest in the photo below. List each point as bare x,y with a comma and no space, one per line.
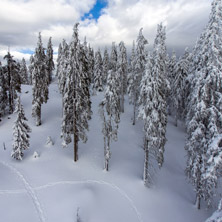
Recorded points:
115,133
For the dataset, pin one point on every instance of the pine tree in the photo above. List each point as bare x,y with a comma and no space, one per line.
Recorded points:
204,118
62,65
13,80
105,66
139,67
20,133
49,60
152,104
31,67
39,81
122,67
91,62
132,82
3,93
178,87
98,72
24,72
76,97
110,115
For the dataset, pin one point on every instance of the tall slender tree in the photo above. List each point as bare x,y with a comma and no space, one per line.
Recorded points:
24,72
105,66
39,81
76,98
20,133
49,60
122,68
98,72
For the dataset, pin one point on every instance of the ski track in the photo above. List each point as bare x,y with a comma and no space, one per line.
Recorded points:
113,186
28,189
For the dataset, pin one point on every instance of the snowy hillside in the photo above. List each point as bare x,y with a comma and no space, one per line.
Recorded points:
51,187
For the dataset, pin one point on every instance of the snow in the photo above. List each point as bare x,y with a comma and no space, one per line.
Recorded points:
52,188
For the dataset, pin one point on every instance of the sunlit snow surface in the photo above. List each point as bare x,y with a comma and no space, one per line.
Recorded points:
52,187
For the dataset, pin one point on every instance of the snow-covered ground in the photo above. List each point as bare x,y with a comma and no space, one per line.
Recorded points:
52,187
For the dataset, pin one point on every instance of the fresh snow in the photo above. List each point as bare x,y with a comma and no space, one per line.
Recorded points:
52,188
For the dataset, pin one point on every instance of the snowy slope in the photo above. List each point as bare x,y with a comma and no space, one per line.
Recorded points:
52,187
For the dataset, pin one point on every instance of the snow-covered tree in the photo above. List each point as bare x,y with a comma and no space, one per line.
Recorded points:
152,104
113,58
91,62
76,97
24,72
20,133
132,82
31,67
39,81
3,92
122,67
49,60
62,65
204,118
98,72
139,68
110,114
13,80
105,66
178,87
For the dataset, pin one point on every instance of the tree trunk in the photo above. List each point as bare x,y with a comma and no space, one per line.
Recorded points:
146,164
107,157
176,118
38,115
134,113
198,201
75,134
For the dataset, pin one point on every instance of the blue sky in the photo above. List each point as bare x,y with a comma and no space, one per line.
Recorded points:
96,10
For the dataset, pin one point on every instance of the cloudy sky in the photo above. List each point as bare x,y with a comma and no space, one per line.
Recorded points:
101,21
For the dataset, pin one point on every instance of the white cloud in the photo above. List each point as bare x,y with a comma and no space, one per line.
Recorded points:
21,20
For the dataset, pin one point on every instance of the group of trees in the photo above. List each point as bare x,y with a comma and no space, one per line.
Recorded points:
189,89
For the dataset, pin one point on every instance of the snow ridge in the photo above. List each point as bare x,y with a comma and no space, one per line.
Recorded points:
29,190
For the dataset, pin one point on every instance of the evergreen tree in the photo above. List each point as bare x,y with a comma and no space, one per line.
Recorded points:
178,86
122,72
49,60
113,58
171,72
31,67
110,114
105,66
3,93
91,62
39,81
24,72
13,80
62,65
76,98
132,82
20,133
98,72
204,118
139,67
152,104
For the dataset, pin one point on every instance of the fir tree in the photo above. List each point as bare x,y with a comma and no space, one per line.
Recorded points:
76,97
122,72
178,87
98,72
13,80
91,63
204,118
39,81
20,133
49,60
24,72
3,93
105,66
31,67
152,104
132,82
110,114
139,68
